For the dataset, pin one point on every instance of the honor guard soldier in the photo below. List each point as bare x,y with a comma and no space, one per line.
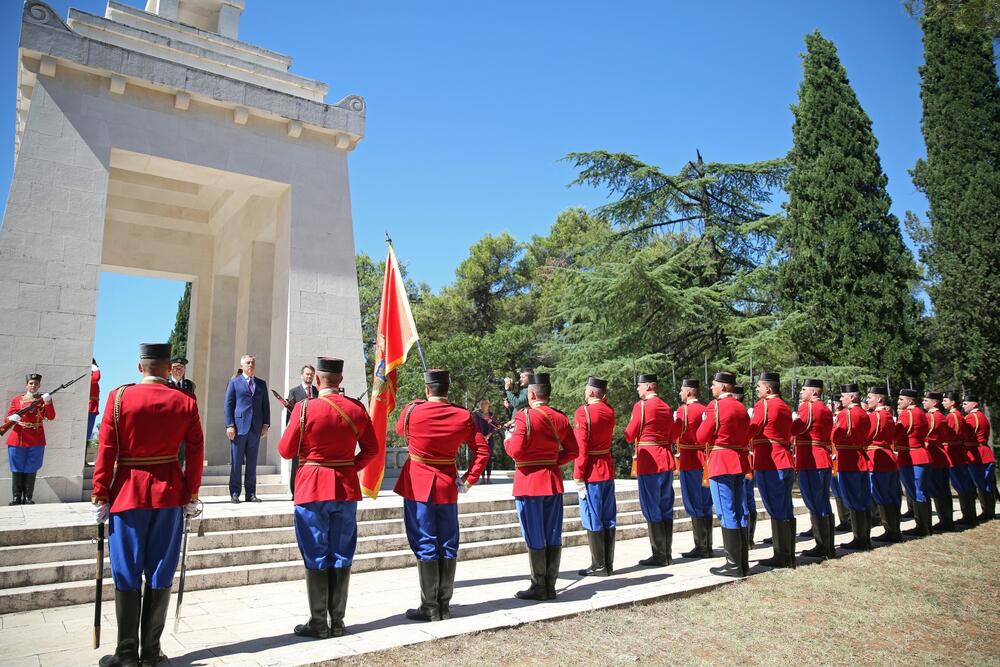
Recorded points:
770,437
913,459
652,430
884,475
850,439
429,484
936,439
962,453
138,480
844,523
594,474
749,493
541,442
811,429
697,496
26,442
984,474
323,434
726,432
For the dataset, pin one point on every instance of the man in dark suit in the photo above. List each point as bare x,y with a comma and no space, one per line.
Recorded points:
247,420
178,367
296,394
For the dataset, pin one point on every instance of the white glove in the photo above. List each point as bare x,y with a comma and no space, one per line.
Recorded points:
47,398
193,509
581,491
704,415
461,485
14,418
100,512
93,367
795,416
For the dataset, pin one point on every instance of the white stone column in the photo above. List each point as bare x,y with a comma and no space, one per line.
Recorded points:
221,366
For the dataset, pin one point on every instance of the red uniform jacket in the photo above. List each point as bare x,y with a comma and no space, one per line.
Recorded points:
541,442
850,437
771,434
938,433
29,432
881,439
980,431
910,430
137,466
434,430
959,450
652,430
593,426
726,429
94,406
812,436
328,467
687,419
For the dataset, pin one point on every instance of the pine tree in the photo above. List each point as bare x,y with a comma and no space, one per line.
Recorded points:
178,337
961,178
846,281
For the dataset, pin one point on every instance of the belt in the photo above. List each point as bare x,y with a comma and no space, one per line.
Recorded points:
652,443
682,445
145,460
329,463
813,443
429,460
900,448
31,425
875,448
535,464
768,441
600,452
845,448
732,448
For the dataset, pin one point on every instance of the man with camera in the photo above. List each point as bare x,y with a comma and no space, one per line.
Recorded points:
512,401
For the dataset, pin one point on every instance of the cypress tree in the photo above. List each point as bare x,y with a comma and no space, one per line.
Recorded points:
961,178
179,336
845,285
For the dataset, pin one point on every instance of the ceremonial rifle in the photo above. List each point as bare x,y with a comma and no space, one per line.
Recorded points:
100,586
635,384
8,425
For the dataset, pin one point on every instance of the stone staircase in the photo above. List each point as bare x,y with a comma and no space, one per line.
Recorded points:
215,481
54,566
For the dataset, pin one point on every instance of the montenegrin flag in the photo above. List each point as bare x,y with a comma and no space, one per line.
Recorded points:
397,333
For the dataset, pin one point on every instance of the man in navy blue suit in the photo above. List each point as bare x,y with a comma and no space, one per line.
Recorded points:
247,420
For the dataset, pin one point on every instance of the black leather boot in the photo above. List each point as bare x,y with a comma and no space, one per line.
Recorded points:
430,582
446,585
876,517
732,543
821,550
922,516
657,542
967,504
15,488
845,518
317,589
744,545
598,560
945,512
552,557
751,528
338,581
890,523
859,543
989,504
699,533
609,551
667,528
28,487
778,559
155,602
536,560
790,529
127,610
908,514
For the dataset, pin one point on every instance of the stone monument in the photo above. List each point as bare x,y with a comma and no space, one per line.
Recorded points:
155,142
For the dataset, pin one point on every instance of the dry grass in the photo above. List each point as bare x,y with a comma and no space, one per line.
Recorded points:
928,602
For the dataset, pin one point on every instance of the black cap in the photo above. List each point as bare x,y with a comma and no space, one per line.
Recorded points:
737,388
909,393
953,394
813,383
329,365
154,350
933,395
770,377
849,388
970,397
179,360
836,398
878,391
690,384
539,378
647,377
33,376
437,376
597,383
725,377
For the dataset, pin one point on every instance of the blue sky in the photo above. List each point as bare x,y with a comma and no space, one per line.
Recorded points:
471,105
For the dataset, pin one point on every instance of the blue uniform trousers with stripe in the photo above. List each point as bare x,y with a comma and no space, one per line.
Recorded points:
984,476
25,459
327,533
145,542
855,490
814,485
885,487
776,491
936,482
541,519
599,509
729,497
749,498
961,479
914,479
697,498
656,496
431,529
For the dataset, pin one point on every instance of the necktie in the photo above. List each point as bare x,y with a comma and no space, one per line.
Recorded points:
250,385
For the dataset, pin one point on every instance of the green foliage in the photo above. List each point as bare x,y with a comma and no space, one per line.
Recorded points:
981,16
179,334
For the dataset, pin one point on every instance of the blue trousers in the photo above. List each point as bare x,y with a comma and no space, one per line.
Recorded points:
541,520
961,479
145,542
431,529
814,485
749,499
835,485
91,418
855,490
25,459
776,492
914,479
327,533
697,498
728,495
599,509
984,476
656,496
885,487
936,483
243,448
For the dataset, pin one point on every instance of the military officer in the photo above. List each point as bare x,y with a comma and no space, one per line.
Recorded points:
749,492
984,474
697,496
139,482
541,442
811,429
726,431
594,474
913,459
323,433
962,454
26,441
884,475
429,484
936,439
850,439
651,429
770,437
178,367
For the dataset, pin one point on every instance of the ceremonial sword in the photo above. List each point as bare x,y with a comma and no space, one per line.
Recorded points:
184,551
100,585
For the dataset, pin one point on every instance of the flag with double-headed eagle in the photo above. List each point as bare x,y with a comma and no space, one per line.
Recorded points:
397,333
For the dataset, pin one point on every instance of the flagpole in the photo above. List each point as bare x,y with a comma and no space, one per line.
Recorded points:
420,349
